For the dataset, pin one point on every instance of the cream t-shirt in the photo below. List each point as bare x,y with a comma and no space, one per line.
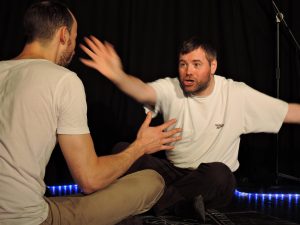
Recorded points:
38,100
212,125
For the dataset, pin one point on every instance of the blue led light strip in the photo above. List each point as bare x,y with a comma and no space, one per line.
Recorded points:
59,190
267,195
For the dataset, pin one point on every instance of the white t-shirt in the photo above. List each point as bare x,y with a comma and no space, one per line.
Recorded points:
38,100
212,125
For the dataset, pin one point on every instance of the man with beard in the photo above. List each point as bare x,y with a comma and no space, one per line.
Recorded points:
42,103
211,110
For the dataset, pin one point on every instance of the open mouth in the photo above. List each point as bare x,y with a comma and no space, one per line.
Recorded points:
188,82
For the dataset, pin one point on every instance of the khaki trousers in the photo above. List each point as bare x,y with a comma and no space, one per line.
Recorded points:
130,195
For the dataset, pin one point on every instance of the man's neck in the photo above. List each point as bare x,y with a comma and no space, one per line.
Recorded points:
35,51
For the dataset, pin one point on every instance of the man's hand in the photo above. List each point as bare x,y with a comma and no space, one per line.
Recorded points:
153,139
103,58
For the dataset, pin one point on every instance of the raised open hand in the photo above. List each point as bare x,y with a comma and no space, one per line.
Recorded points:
103,57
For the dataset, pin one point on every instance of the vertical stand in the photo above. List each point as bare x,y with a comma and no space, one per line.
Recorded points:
278,16
280,19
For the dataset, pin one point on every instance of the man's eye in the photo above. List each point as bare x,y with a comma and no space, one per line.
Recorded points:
197,65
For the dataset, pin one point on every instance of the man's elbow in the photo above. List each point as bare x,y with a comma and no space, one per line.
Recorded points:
91,185
88,186
87,189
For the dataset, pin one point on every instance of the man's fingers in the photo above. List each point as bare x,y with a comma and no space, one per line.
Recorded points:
167,124
166,147
109,47
147,121
170,139
94,44
91,44
87,51
88,63
97,42
172,132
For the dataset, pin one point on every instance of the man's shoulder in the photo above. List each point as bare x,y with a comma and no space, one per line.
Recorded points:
45,64
167,80
228,81
167,86
52,70
33,64
40,70
230,86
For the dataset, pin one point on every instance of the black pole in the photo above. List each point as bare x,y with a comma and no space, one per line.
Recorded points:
279,20
277,86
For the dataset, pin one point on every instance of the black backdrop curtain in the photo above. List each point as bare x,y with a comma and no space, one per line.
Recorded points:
146,35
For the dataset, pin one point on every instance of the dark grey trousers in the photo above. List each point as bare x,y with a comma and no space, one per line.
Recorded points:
214,181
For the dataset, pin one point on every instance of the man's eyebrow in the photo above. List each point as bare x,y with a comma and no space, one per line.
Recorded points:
194,60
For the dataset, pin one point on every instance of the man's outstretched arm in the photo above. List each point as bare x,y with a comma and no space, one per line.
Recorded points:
293,114
92,173
104,59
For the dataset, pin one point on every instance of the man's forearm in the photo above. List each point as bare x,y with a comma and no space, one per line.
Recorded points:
109,168
293,114
136,88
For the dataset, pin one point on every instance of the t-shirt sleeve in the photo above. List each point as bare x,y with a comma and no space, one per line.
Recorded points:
262,113
163,89
71,106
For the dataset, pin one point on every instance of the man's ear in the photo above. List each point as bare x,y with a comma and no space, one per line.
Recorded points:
63,35
213,66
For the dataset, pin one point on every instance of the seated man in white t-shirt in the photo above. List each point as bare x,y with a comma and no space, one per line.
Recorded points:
211,110
42,103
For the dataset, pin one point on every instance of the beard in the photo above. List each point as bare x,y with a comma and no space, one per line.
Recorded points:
66,58
67,55
198,86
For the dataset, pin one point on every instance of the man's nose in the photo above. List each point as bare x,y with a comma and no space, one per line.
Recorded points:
189,69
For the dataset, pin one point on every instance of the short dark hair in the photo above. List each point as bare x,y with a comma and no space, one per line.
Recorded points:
43,18
194,43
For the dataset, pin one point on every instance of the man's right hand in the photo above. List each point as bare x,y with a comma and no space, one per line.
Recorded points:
103,58
153,139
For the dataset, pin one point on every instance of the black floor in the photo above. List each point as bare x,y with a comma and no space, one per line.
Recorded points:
249,206
246,208
277,202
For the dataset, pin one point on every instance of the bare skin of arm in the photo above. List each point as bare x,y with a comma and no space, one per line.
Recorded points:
293,114
104,59
93,173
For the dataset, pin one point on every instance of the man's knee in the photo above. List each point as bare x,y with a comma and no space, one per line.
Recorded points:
149,186
149,177
219,173
222,183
